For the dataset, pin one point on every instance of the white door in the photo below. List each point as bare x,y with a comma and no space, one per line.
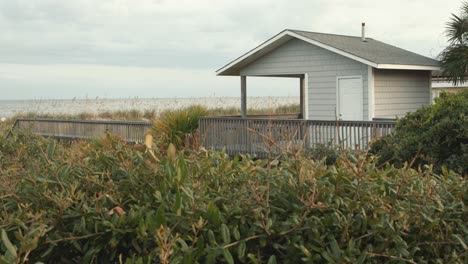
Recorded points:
349,105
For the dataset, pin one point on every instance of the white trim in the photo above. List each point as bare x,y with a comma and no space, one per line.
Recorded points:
306,96
407,67
274,75
327,47
370,93
338,95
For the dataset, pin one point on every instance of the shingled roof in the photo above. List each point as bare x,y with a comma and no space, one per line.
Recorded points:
371,52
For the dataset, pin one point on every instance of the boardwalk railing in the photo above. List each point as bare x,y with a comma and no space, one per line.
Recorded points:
262,136
84,129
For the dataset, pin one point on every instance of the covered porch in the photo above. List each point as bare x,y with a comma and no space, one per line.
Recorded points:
337,97
265,135
302,88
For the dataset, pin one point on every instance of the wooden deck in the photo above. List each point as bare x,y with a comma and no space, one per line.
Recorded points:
133,132
261,136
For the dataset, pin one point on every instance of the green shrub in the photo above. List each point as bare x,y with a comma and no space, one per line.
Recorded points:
174,127
328,152
435,134
107,202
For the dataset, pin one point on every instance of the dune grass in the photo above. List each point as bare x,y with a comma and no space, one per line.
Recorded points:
147,115
135,114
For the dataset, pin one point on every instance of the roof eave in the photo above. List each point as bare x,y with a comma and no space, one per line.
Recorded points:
408,67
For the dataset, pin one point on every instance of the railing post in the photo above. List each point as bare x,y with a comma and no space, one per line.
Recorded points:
243,96
248,136
306,136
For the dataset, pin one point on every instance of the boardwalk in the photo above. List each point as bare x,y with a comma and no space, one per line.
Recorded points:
84,129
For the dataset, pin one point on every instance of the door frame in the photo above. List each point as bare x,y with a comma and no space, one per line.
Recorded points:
361,105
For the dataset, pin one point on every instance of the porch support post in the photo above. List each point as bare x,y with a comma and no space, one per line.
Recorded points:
302,96
244,96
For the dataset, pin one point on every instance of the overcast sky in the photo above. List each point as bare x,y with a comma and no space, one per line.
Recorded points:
159,48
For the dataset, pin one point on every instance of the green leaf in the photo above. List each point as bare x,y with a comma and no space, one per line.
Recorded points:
51,149
9,246
227,256
211,237
241,250
171,152
335,248
225,234
182,171
252,258
5,260
178,203
362,258
236,233
457,237
305,251
272,260
212,213
326,256
183,245
136,246
161,217
48,251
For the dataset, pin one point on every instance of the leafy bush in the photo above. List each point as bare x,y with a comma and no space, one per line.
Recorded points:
107,202
328,152
176,127
435,134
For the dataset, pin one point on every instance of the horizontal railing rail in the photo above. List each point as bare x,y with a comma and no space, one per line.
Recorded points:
262,136
130,131
268,116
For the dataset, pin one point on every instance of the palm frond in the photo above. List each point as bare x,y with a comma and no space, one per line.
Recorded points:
454,62
457,29
464,8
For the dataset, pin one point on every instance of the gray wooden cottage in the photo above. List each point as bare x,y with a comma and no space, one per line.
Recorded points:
341,79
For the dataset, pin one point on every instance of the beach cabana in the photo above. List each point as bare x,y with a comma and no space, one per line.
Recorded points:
342,80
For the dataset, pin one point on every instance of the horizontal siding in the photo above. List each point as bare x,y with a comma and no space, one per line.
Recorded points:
322,68
398,92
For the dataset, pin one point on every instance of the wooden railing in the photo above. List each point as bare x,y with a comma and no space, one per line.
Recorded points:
263,136
270,116
84,129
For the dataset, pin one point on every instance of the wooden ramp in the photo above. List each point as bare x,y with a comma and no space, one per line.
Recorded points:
130,131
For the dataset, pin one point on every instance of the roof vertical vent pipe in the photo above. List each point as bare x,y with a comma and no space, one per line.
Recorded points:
363,32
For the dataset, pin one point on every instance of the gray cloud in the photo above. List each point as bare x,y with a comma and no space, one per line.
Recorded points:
198,36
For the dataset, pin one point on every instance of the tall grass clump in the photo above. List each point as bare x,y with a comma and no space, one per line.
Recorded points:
235,111
4,128
178,127
128,115
107,202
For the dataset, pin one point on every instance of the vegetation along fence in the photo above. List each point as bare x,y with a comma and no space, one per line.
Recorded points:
84,129
262,136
